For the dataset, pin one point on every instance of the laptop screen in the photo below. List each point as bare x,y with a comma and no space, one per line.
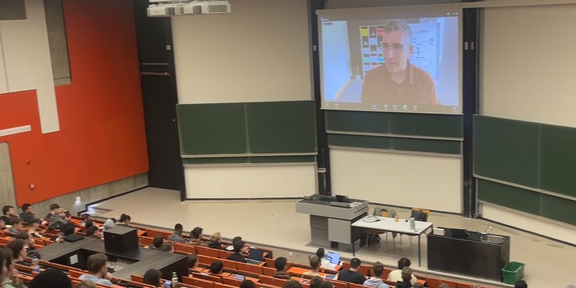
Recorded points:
333,258
256,254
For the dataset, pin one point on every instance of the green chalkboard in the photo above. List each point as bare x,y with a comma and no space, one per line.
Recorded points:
427,145
282,127
212,129
431,125
559,209
509,196
355,121
506,150
398,144
245,130
558,165
427,125
360,141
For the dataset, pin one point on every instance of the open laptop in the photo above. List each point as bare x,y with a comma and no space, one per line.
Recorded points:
255,256
333,258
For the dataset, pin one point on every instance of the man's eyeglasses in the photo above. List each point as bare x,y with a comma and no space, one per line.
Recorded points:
396,47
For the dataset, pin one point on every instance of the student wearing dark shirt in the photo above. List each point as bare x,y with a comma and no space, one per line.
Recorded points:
237,256
215,241
27,213
352,275
8,213
280,265
216,268
54,208
156,243
93,232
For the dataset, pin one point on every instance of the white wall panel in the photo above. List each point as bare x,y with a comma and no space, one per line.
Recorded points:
258,181
430,182
526,222
527,64
3,80
27,61
259,52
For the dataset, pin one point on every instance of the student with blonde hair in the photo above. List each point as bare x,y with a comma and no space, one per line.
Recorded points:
215,241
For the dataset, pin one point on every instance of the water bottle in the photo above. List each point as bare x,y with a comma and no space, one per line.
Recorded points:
412,224
35,264
174,280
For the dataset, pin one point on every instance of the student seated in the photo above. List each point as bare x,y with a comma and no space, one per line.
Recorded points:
27,213
8,213
247,284
33,227
27,238
280,265
314,266
376,279
17,225
192,262
352,274
396,275
326,284
51,278
124,220
237,256
177,236
152,277
167,247
316,281
97,265
93,232
406,277
15,252
323,261
156,243
85,217
53,212
196,236
292,284
215,241
216,268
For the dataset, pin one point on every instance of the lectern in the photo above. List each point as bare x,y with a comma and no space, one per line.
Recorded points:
331,218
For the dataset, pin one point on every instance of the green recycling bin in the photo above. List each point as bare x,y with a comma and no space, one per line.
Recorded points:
512,272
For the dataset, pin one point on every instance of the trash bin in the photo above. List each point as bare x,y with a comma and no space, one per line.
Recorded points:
512,272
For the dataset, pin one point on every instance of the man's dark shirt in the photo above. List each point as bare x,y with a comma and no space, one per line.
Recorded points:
351,276
237,257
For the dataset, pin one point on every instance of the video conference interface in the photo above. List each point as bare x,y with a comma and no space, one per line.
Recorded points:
401,62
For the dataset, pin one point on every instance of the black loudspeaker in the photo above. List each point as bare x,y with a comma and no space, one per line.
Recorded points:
120,239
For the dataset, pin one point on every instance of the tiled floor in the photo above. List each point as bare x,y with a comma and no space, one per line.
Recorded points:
275,222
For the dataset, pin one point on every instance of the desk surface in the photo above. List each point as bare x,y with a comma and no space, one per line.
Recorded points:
390,224
146,258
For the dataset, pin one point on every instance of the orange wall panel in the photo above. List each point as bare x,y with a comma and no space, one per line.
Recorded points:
102,136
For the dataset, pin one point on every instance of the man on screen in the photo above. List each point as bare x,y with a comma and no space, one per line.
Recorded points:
398,81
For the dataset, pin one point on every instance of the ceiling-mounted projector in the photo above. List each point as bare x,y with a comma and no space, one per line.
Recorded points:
168,8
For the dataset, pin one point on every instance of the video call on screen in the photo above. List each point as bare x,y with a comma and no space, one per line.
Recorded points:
410,63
